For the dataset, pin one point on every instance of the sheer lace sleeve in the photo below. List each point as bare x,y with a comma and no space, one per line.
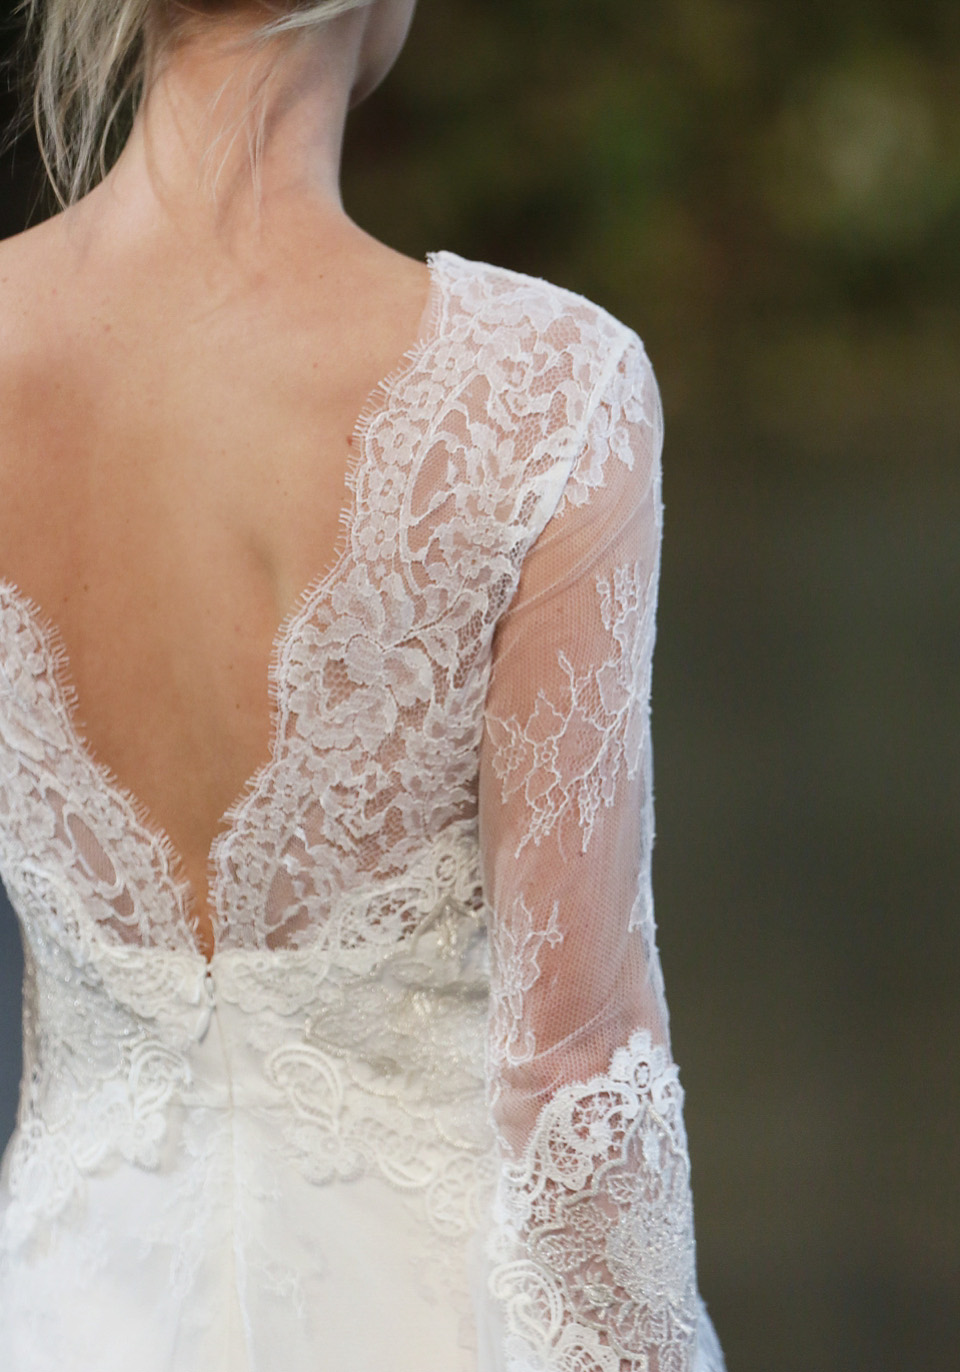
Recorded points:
590,1252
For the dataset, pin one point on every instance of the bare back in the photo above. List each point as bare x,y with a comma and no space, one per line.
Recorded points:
173,455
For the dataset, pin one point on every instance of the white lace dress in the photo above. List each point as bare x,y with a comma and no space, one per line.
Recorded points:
418,1113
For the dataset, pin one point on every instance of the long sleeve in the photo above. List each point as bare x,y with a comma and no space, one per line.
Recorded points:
590,1259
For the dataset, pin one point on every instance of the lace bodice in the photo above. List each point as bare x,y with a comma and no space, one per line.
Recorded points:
427,1071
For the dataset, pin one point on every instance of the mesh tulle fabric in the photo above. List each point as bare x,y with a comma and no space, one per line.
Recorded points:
419,1110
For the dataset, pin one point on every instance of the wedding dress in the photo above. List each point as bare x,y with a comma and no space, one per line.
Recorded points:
418,1112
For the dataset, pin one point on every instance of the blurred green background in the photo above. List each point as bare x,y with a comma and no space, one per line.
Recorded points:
770,195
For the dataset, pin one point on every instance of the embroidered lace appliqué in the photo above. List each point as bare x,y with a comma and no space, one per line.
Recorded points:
595,1231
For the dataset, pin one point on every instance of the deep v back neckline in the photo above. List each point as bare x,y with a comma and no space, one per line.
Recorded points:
377,407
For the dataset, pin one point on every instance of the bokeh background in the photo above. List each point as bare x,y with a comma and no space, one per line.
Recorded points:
770,195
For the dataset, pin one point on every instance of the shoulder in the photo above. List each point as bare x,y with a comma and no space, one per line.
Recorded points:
512,305
546,335
39,354
29,293
28,259
573,375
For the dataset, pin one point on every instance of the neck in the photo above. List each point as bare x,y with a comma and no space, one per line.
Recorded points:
188,162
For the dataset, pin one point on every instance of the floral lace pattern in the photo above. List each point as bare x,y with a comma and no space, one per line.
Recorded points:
216,1146
596,1221
104,1068
567,754
512,1039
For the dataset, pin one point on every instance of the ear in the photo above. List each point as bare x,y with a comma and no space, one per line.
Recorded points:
387,25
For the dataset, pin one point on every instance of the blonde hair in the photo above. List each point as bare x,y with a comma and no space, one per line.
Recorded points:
88,64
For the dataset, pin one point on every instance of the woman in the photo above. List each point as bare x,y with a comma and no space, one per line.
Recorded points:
345,1039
